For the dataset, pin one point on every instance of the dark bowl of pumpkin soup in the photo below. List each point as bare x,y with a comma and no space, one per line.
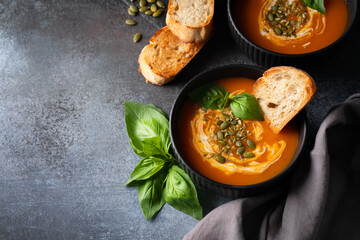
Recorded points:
280,32
220,139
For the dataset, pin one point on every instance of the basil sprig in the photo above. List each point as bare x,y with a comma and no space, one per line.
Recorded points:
157,175
315,4
214,96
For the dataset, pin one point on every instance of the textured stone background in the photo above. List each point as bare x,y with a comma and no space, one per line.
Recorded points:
66,69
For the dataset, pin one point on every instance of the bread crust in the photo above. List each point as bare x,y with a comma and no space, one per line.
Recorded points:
190,33
304,84
165,56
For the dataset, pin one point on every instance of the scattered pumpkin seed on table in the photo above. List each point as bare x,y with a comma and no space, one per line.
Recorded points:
144,9
130,22
157,13
151,1
131,12
160,4
149,12
153,8
134,8
137,37
142,3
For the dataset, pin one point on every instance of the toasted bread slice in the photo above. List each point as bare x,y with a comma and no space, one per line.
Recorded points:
190,20
165,56
282,92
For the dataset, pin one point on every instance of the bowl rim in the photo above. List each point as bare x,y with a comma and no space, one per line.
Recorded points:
321,50
302,122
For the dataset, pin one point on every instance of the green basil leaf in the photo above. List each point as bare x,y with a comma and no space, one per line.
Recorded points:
208,96
136,150
181,194
153,146
245,106
146,168
145,122
150,194
315,4
157,109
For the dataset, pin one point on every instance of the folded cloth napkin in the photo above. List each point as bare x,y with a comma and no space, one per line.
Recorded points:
322,200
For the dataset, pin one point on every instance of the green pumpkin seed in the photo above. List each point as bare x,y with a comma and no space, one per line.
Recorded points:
137,37
275,7
278,31
151,1
153,8
157,13
238,143
160,4
240,150
222,143
142,3
249,155
130,22
131,12
220,159
219,122
274,23
149,12
270,17
134,8
144,9
220,135
224,125
251,144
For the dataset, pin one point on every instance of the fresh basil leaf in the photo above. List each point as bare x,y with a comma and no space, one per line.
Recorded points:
144,122
153,146
157,109
315,4
146,168
136,150
181,194
150,194
245,106
208,96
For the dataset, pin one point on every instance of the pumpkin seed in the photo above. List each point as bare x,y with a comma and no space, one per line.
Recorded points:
153,8
134,8
240,150
249,155
219,122
238,143
157,13
130,22
131,12
151,1
142,3
293,22
160,4
222,143
275,7
234,122
224,125
251,144
137,37
220,159
278,31
144,9
274,23
220,135
149,12
271,17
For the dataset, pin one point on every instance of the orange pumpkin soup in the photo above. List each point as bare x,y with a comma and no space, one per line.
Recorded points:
288,26
230,150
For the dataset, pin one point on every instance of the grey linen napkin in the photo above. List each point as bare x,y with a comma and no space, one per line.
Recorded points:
322,200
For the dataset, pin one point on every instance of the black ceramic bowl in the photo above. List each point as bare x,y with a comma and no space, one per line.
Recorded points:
267,58
220,188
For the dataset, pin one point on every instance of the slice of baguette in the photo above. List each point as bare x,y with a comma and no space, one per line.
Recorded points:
190,20
165,56
282,92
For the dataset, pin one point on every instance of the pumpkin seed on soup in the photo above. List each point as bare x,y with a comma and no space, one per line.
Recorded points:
220,159
251,144
249,155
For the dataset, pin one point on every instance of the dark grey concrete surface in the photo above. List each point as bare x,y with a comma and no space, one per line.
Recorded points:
66,69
